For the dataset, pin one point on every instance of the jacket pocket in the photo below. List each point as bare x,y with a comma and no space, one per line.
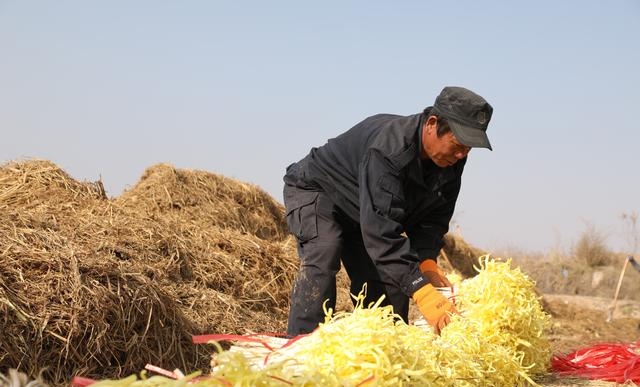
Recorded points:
389,198
301,213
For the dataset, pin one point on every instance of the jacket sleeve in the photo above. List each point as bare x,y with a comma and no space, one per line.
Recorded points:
382,204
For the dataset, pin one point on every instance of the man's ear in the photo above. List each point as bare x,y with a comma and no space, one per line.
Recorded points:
431,124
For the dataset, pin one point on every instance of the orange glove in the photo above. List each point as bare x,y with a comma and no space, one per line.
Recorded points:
434,274
435,307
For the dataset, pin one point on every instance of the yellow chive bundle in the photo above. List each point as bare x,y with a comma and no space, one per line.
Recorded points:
504,302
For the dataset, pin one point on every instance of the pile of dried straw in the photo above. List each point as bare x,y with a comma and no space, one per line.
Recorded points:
99,287
459,256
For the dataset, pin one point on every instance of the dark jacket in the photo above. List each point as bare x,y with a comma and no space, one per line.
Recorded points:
375,174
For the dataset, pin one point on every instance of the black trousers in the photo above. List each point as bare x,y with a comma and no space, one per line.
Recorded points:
326,237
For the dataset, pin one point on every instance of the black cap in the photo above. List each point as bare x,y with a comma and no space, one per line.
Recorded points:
468,115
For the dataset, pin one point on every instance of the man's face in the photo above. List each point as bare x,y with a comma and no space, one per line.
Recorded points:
443,151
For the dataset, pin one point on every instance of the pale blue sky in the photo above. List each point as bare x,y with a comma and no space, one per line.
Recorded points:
106,89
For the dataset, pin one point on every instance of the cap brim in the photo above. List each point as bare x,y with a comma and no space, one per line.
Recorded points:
472,137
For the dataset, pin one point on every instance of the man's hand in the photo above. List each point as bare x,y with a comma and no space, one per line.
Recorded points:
434,307
434,274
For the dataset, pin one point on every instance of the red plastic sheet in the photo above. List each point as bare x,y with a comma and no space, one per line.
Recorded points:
613,362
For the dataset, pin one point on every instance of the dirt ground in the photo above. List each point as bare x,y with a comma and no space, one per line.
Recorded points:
578,321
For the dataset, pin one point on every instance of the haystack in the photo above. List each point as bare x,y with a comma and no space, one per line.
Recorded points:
459,256
99,287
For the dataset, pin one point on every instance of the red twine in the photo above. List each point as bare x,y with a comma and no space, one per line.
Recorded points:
613,362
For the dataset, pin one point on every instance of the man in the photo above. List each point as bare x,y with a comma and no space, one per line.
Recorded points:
379,198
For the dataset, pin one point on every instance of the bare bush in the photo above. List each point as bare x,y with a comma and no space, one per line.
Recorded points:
591,248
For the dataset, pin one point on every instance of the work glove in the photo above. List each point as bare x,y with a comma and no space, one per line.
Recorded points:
435,307
434,274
